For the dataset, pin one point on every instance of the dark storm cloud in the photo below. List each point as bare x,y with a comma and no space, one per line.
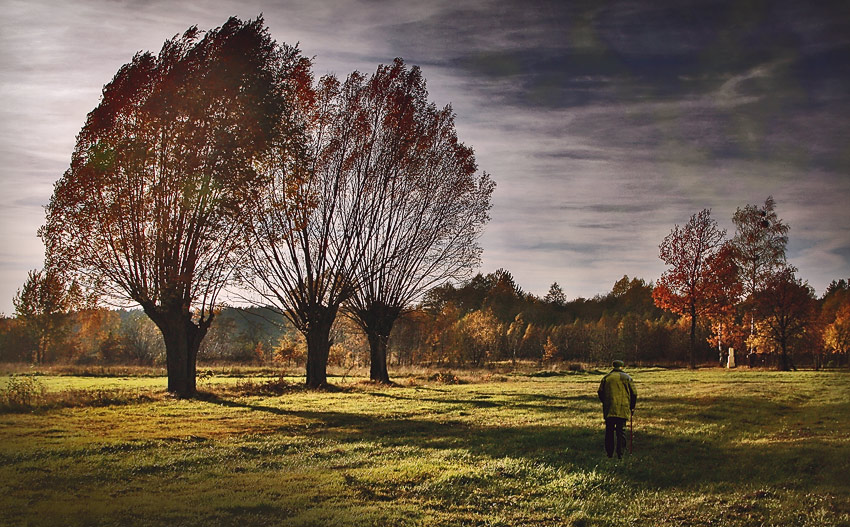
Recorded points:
663,109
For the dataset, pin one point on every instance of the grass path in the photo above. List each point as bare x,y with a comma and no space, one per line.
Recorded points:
712,447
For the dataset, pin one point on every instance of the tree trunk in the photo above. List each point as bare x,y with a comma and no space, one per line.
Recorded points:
378,357
693,358
377,322
182,339
784,363
38,352
318,336
177,361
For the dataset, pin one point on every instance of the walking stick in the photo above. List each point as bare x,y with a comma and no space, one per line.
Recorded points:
631,431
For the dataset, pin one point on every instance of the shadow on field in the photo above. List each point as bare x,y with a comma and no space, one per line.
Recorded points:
683,452
553,403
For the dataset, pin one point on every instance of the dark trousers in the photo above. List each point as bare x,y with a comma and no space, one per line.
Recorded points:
615,425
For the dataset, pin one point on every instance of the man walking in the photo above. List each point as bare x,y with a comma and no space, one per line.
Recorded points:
618,395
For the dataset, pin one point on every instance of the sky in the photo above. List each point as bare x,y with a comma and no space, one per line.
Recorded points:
603,123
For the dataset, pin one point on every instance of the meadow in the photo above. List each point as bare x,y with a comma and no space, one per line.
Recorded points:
711,447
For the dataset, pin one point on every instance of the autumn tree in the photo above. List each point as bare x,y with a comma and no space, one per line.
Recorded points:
289,349
532,342
477,336
502,295
631,332
514,334
430,205
723,297
142,338
14,342
163,174
440,340
835,318
96,331
837,334
688,287
760,240
45,304
632,295
303,260
786,307
410,337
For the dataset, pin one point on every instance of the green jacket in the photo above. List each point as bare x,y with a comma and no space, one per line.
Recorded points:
617,393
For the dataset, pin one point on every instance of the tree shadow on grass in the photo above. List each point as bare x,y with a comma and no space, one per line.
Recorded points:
662,459
553,403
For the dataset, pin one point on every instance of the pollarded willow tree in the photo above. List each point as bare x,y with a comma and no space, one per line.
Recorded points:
163,175
302,259
397,208
431,206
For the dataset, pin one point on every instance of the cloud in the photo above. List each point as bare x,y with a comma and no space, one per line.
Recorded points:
604,124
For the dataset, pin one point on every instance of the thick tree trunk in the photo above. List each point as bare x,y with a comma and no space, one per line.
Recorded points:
377,322
182,339
784,363
177,361
378,358
318,336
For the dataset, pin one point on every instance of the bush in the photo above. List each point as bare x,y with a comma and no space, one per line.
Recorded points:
445,377
23,393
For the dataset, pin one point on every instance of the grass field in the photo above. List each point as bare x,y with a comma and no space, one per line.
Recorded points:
711,447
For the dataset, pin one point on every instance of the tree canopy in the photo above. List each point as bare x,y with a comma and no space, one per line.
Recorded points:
43,304
397,208
690,286
164,172
759,241
432,206
786,309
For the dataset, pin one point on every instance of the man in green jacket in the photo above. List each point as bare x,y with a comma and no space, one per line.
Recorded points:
618,395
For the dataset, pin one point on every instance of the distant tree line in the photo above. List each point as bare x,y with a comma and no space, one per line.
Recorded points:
479,322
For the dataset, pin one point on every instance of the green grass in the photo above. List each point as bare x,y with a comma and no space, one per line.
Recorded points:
712,447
